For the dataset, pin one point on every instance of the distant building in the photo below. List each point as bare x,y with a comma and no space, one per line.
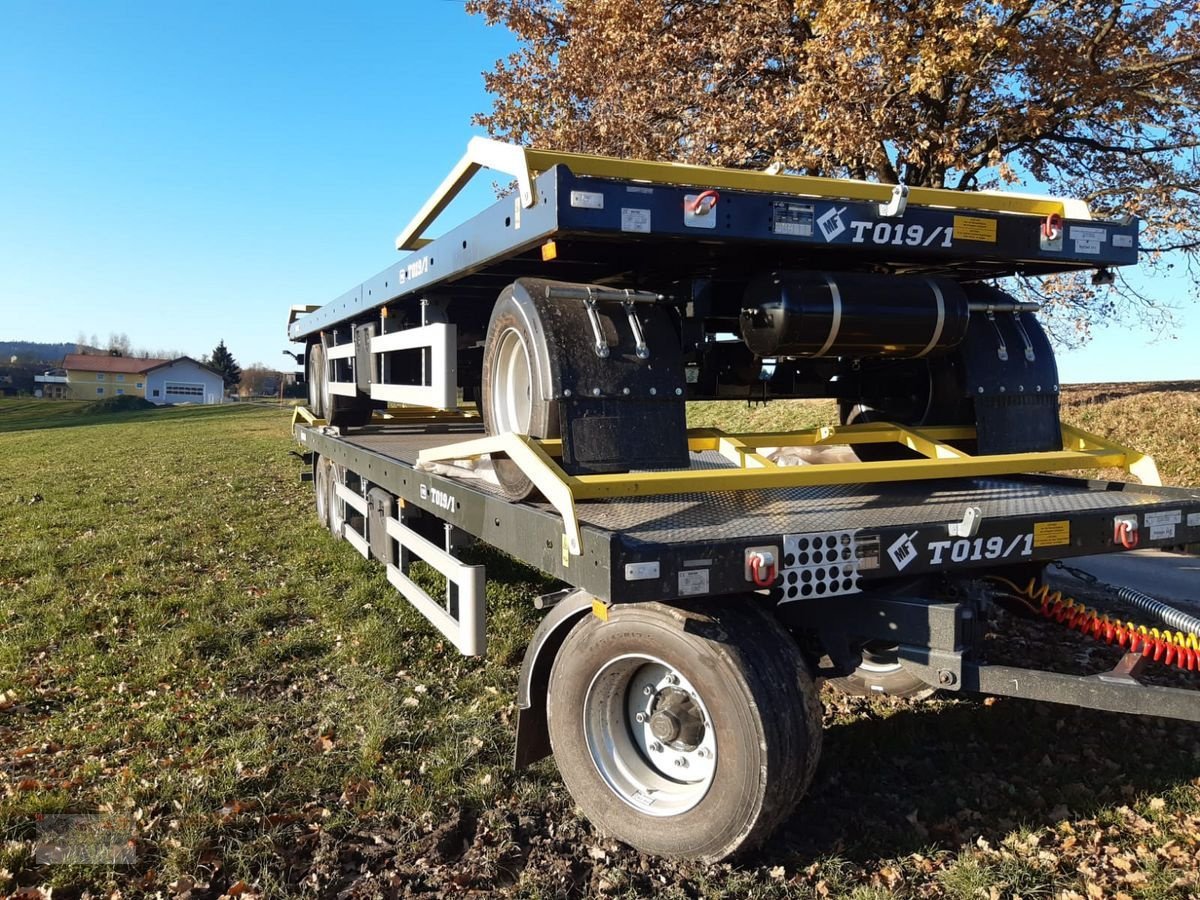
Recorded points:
53,384
182,380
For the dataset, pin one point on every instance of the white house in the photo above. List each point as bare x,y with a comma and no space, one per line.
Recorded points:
183,380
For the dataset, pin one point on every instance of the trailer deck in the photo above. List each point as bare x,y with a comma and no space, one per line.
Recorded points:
671,546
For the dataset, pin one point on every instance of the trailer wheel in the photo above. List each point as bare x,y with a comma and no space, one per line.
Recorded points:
512,391
685,732
318,376
335,507
339,411
321,488
882,673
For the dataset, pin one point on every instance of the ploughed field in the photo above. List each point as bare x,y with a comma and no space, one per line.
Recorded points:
232,703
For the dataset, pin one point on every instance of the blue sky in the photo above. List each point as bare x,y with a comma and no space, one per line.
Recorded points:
183,172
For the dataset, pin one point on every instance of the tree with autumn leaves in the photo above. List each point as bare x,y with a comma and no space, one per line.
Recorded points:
1097,100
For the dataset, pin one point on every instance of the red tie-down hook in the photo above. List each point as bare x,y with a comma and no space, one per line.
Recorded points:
1125,532
1052,227
703,204
762,568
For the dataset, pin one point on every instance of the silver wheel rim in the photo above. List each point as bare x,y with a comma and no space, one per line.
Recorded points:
630,714
511,393
337,511
322,485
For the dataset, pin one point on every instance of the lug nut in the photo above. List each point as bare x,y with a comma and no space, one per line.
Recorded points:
648,690
680,762
641,717
656,747
704,753
672,678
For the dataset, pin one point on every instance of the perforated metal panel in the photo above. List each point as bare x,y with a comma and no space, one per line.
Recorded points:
819,564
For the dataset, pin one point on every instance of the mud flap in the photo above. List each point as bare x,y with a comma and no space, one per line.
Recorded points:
1013,379
619,383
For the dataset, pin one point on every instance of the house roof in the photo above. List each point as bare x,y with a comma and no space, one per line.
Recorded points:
85,362
128,365
159,363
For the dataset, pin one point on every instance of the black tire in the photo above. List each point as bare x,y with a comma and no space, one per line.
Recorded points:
747,684
338,411
881,674
509,335
317,374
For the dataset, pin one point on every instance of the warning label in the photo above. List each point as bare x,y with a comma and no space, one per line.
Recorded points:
972,228
1051,534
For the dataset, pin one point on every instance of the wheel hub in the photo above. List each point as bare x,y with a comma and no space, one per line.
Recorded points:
677,720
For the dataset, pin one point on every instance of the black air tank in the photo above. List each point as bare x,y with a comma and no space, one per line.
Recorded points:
852,314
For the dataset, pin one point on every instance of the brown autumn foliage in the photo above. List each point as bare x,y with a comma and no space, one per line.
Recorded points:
1092,99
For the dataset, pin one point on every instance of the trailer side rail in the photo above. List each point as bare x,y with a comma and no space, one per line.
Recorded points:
524,164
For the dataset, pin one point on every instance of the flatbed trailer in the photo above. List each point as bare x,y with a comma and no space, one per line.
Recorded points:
708,579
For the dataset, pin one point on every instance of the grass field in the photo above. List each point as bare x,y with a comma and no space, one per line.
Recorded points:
187,658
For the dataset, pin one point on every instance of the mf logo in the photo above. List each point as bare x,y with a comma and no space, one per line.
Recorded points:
903,551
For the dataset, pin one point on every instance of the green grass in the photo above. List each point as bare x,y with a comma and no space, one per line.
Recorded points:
186,653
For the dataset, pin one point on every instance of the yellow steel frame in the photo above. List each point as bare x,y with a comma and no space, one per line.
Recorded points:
752,470
392,415
524,164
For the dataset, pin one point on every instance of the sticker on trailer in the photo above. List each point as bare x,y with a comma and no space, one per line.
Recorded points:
1087,240
975,228
1052,534
977,549
1193,520
1170,517
693,581
635,220
867,550
1162,532
903,551
794,219
1122,240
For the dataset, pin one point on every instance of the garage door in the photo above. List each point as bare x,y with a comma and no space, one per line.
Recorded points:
183,391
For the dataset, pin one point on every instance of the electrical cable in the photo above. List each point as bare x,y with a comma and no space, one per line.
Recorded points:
1171,648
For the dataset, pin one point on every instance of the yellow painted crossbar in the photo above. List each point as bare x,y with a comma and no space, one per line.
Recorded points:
525,164
753,471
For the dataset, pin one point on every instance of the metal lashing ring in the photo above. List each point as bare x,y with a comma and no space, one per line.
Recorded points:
768,577
1052,227
1127,535
698,208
